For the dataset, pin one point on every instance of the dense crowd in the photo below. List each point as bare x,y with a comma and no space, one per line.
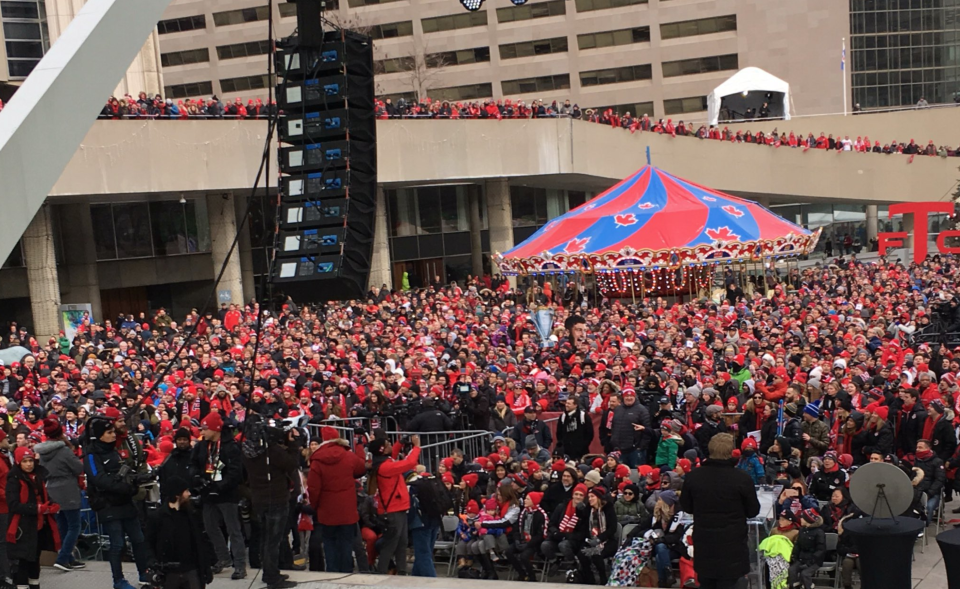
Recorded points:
145,107
656,403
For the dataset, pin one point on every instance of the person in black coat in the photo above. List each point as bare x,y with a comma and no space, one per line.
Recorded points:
431,419
943,437
809,549
561,491
601,540
768,432
179,545
531,532
721,498
477,409
178,465
567,526
574,430
880,438
32,526
530,425
218,464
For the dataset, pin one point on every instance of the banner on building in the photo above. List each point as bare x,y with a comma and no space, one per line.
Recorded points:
72,317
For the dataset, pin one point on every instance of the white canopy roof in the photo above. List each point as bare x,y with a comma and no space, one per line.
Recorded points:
750,79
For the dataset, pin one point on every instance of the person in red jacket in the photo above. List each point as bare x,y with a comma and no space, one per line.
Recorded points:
333,496
5,447
388,489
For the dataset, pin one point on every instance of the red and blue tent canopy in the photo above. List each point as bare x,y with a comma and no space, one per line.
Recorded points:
655,219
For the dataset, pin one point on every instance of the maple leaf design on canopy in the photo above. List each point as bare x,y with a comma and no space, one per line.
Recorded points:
733,211
624,220
722,234
575,246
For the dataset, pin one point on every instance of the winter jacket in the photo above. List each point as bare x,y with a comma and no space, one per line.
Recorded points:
819,439
707,430
908,425
880,440
810,549
720,498
555,495
635,508
332,483
499,423
537,428
177,465
392,495
944,438
25,531
177,537
667,452
574,433
934,476
793,432
109,494
271,482
753,467
4,471
622,435
63,469
824,483
225,475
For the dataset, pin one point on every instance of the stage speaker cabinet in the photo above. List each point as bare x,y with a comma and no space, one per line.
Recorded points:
328,166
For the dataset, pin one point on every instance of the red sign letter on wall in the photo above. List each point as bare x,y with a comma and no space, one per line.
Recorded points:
920,210
890,241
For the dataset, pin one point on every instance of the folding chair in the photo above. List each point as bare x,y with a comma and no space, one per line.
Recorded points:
448,526
923,536
832,567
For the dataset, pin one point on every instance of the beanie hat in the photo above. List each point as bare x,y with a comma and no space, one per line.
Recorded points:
558,466
23,452
518,479
174,487
447,478
882,411
472,507
52,428
98,427
593,476
532,467
685,464
165,446
622,471
214,423
832,456
597,463
600,492
494,458
182,433
535,498
580,488
447,463
470,480
111,413
669,497
790,409
812,410
531,442
748,442
491,503
644,469
810,515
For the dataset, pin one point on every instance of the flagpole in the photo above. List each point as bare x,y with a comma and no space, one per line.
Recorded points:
843,71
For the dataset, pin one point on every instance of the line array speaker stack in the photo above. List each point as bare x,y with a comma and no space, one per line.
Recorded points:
328,163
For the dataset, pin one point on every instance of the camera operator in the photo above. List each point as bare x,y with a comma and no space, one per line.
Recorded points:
218,464
431,419
271,475
111,488
130,449
474,404
183,558
387,487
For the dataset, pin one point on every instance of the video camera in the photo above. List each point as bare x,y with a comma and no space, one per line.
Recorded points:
137,479
156,575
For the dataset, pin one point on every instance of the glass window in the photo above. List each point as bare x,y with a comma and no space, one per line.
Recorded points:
131,222
26,10
244,84
469,92
243,49
179,25
452,22
703,26
699,65
530,48
539,84
188,90
675,106
240,16
454,209
176,229
428,204
103,237
636,109
402,205
532,11
590,5
392,30
616,75
459,57
356,3
612,38
523,203
187,57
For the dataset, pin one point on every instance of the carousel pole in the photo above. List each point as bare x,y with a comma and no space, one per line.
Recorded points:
643,284
633,293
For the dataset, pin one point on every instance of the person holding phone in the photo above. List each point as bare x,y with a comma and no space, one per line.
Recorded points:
387,487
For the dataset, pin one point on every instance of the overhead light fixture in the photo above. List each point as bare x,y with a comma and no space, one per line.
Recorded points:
472,5
519,2
183,200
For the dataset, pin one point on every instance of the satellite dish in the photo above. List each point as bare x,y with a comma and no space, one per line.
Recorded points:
881,490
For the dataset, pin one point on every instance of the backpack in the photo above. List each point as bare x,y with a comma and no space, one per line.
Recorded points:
434,500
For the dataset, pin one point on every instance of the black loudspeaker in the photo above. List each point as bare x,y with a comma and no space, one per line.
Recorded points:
309,26
328,165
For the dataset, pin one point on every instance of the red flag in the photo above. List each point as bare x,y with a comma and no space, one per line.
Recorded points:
805,148
910,161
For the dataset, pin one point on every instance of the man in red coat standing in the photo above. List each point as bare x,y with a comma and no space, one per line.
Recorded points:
333,496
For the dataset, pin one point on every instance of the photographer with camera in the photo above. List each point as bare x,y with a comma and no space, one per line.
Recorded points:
183,558
387,487
111,488
178,464
271,457
432,419
218,466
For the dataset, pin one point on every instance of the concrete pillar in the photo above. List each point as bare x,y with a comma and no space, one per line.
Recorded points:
144,74
223,228
80,280
908,228
871,222
246,251
476,244
41,261
380,272
500,218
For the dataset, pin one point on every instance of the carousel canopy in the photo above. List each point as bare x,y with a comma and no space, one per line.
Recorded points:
654,219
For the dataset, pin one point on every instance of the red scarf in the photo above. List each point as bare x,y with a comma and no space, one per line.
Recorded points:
41,497
569,521
928,426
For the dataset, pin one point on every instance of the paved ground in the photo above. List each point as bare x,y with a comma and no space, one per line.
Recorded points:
928,573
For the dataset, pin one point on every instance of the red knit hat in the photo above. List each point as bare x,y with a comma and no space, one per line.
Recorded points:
622,471
470,479
111,413
558,466
597,463
23,452
327,433
535,498
472,507
52,428
447,478
213,422
580,488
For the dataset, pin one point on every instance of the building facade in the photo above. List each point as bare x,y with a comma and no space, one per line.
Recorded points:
660,57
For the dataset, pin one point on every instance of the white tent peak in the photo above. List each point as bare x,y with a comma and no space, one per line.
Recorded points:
749,79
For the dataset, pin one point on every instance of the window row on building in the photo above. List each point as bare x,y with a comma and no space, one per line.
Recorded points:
141,230
25,35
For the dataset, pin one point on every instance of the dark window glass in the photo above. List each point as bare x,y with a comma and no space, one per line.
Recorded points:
428,202
187,57
616,75
179,25
590,5
392,30
24,49
188,90
455,21
21,30
21,68
28,10
532,11
103,237
131,222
